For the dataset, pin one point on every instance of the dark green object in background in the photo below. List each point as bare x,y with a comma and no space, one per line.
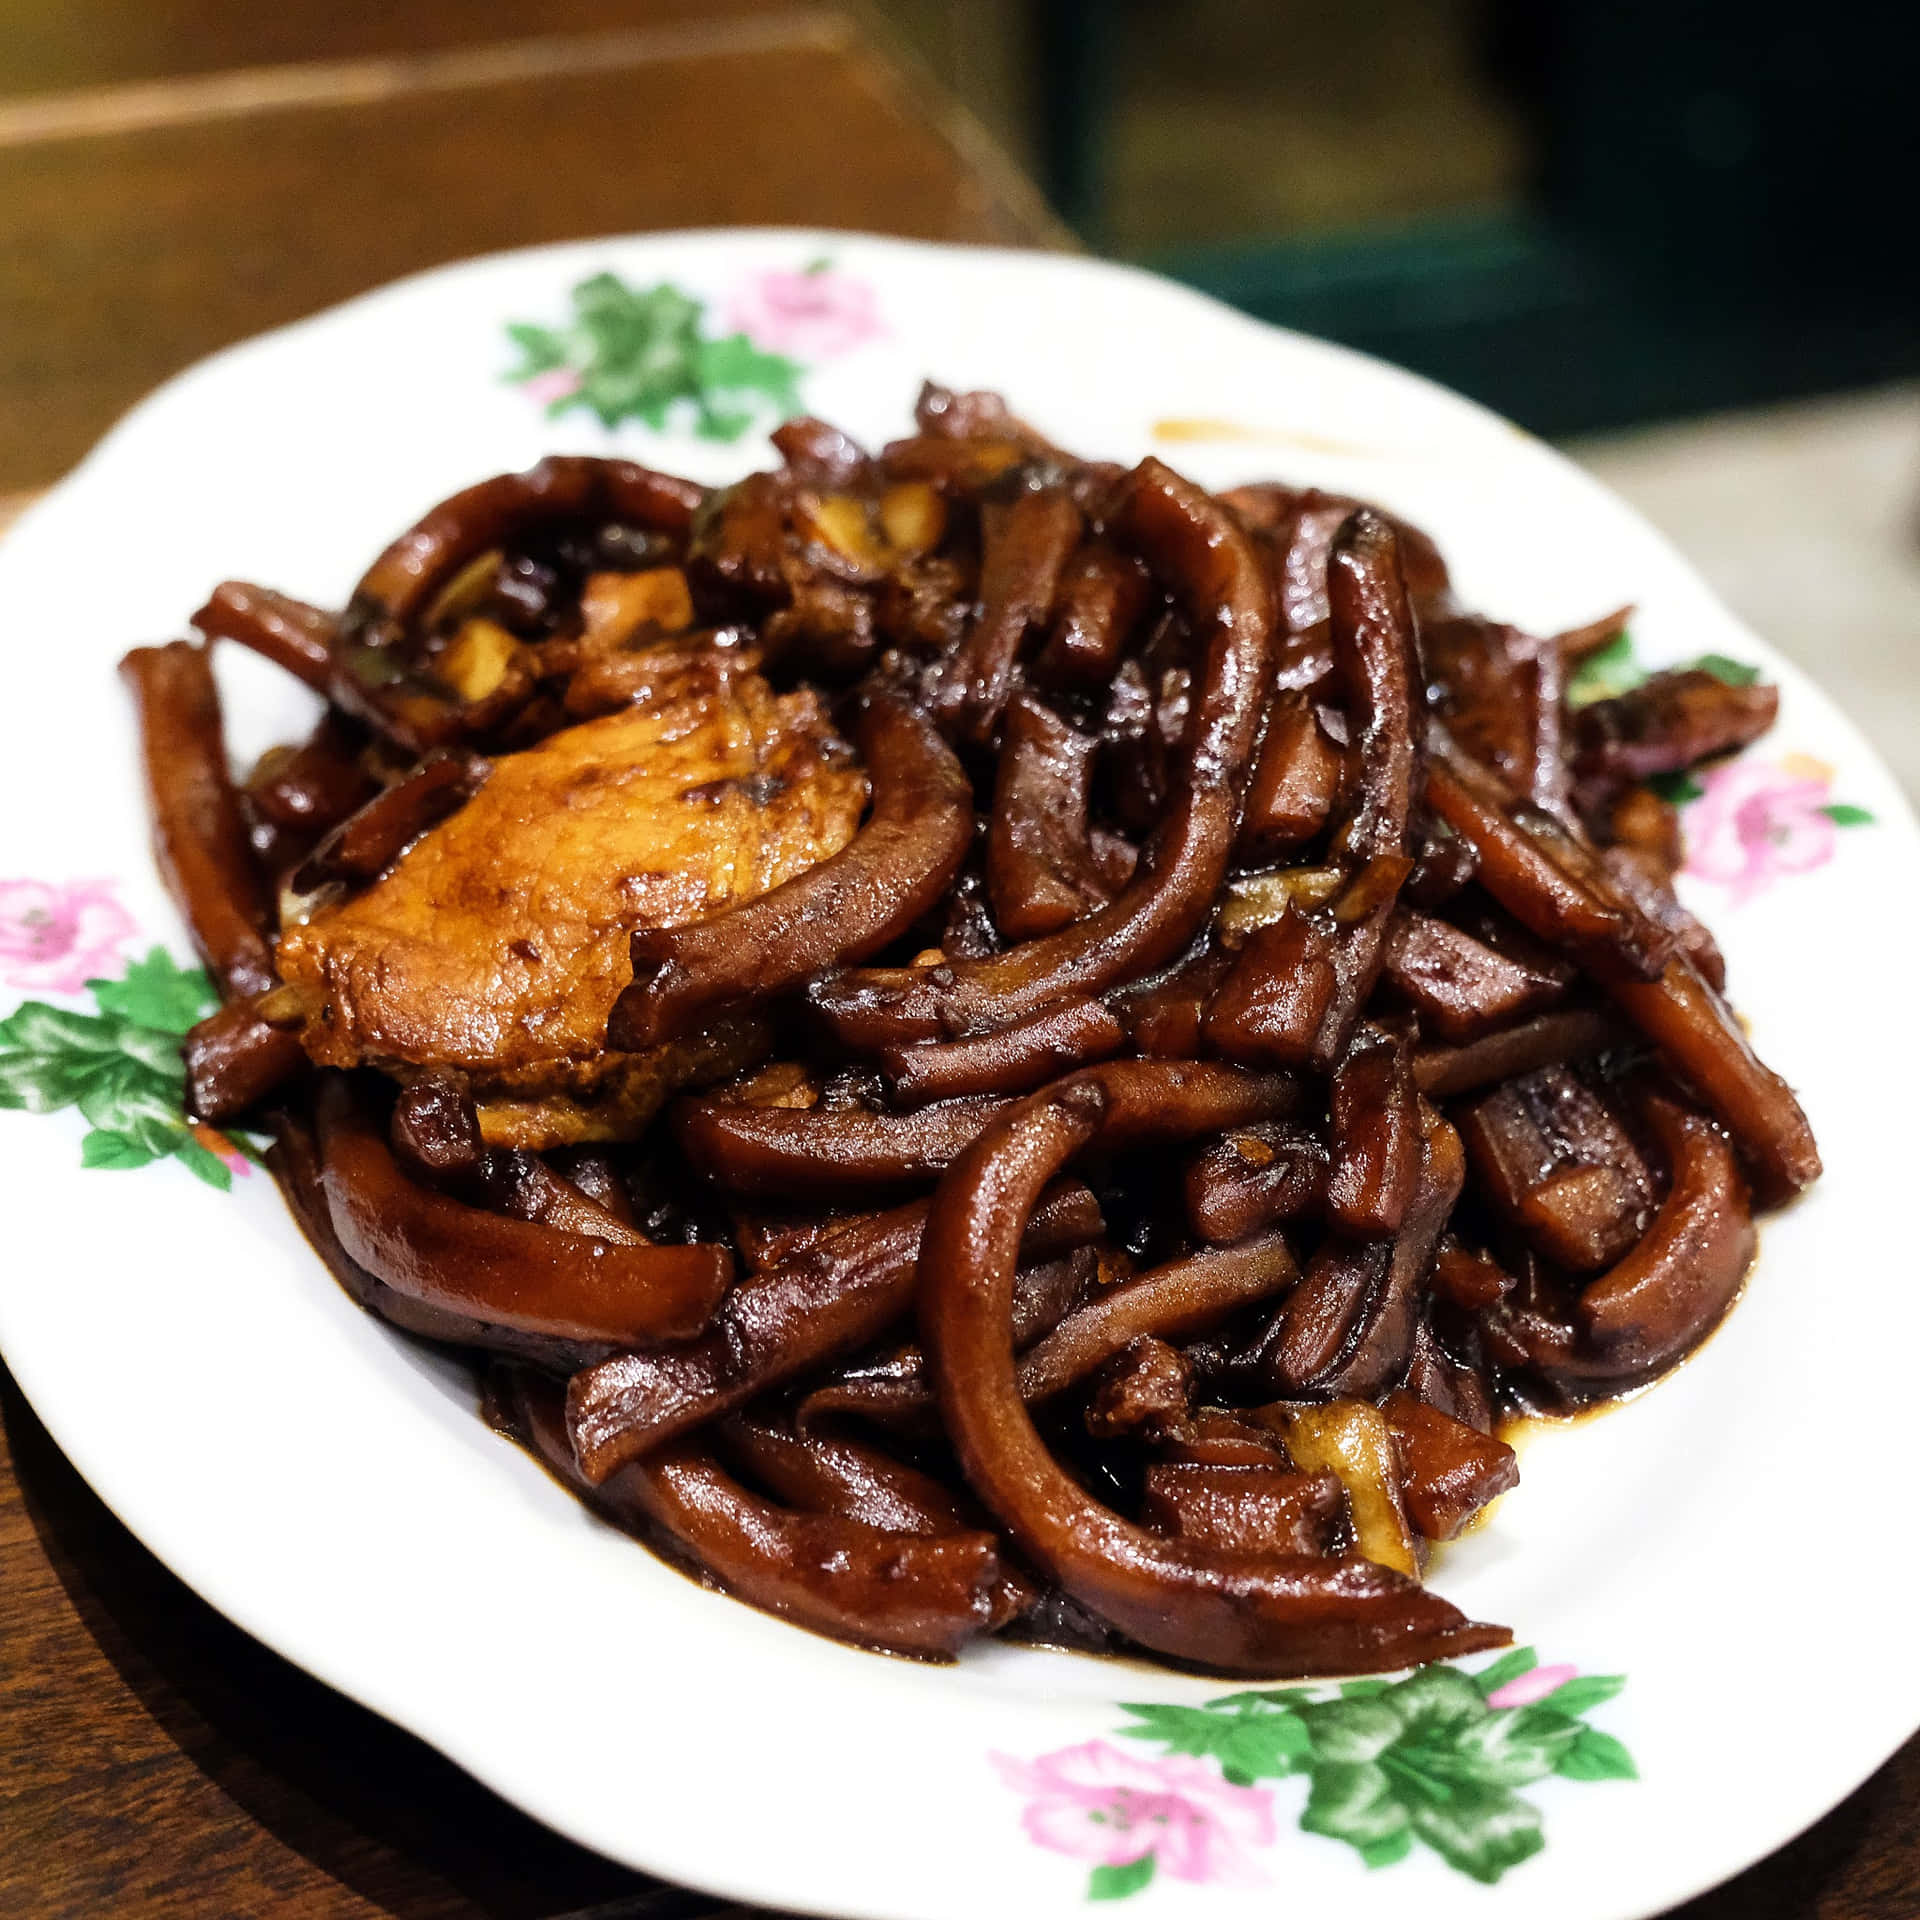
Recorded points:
1511,310
1722,211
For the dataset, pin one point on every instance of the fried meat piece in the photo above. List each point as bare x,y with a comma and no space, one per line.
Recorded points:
496,945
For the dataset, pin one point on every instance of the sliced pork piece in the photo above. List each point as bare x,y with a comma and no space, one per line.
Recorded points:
497,943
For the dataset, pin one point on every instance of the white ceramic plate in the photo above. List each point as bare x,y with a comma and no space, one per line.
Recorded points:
1735,1543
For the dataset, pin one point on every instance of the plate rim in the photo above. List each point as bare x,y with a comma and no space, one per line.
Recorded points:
1900,818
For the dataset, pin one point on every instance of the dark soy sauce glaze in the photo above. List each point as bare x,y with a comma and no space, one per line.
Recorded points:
1246,1056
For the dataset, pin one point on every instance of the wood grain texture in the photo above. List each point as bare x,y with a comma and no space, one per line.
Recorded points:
58,45
137,246
157,1762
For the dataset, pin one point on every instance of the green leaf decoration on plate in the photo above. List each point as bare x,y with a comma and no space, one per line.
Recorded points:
157,994
640,353
1597,1756
1252,1738
1676,789
1583,1693
1515,1664
1115,1883
122,1068
1436,1761
1614,669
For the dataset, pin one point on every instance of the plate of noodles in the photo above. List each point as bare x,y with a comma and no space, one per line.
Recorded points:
853,1052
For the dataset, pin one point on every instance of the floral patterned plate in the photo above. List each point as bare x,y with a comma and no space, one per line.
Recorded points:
1712,1585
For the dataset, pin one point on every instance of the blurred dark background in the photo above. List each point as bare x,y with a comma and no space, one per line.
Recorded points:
1587,213
1584,212
1678,237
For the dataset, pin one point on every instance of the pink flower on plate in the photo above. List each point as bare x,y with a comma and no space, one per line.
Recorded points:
54,939
1754,822
1100,1804
555,384
807,316
1529,1687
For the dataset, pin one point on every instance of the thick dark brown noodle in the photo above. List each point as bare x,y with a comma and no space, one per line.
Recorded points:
1212,850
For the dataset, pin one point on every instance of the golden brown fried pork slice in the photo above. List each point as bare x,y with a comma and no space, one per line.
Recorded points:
496,945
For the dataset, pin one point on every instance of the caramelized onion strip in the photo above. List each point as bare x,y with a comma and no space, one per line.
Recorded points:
235,1060
199,833
834,1473
1579,912
488,1266
1698,1033
370,839
1181,1298
1664,1298
1014,1060
1221,1610
802,1151
294,1161
833,1298
1377,662
1653,1308
849,906
1198,547
925,1596
274,625
1347,1329
564,487
888,1391
1548,1041
1025,542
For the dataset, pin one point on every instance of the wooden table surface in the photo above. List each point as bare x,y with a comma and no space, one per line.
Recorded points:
145,224
154,1760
